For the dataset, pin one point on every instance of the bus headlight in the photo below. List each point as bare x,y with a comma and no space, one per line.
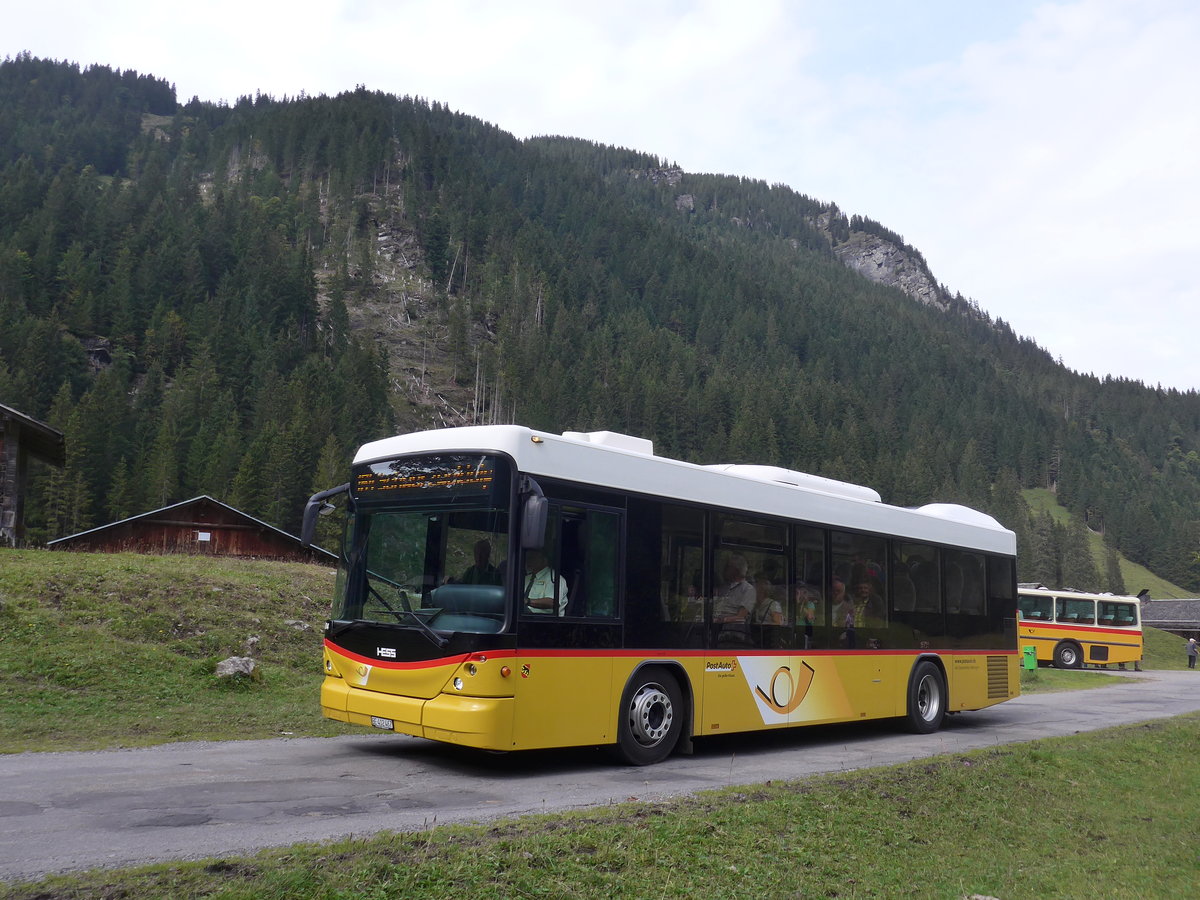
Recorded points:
458,683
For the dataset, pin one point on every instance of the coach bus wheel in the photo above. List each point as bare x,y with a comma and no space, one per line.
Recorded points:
1068,656
926,699
651,718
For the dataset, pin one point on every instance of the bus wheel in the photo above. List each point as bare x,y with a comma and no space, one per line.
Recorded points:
1068,656
651,718
926,698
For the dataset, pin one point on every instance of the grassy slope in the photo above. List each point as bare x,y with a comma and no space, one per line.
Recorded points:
106,650
1135,576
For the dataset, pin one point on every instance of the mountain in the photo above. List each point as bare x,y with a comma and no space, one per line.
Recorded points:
226,299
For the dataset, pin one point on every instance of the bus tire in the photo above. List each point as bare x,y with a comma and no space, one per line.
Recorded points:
651,717
926,698
1068,655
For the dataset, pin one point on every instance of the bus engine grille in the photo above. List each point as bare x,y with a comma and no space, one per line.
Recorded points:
997,669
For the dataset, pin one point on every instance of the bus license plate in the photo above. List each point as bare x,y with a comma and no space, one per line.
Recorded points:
385,724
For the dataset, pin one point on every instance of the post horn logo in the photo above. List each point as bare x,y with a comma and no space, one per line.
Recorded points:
787,691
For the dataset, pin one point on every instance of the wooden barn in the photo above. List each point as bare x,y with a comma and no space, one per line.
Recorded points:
201,525
22,439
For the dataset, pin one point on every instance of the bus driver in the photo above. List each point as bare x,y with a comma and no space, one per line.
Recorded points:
539,585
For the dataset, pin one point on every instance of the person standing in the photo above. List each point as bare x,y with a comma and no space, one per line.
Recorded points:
1192,652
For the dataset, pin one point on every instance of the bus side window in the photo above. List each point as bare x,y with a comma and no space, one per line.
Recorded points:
590,542
860,560
971,598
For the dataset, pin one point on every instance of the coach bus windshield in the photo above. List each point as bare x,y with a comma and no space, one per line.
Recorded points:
427,544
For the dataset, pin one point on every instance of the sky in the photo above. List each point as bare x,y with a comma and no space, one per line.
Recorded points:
1044,157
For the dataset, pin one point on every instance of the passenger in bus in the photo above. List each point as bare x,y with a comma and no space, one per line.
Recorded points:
693,605
539,585
483,572
767,610
806,606
843,612
868,605
735,600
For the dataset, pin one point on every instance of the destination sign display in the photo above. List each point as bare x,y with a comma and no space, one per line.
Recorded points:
458,474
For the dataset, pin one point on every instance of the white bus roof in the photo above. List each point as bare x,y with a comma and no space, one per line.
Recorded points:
1033,590
608,459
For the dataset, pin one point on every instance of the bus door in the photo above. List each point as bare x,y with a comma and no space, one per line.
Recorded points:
862,618
568,628
752,670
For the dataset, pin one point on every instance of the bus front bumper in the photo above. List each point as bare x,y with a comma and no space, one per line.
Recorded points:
482,722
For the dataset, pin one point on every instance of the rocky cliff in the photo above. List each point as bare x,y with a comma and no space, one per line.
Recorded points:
883,261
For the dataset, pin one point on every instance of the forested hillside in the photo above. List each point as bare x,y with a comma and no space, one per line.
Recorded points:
226,299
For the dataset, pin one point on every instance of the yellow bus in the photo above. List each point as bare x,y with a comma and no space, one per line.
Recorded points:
509,589
1072,628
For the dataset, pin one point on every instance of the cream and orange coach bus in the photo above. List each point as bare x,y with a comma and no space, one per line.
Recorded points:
1072,628
508,589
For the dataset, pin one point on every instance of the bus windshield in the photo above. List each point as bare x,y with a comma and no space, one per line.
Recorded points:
427,544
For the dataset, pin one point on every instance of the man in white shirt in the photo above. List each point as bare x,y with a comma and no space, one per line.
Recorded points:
539,585
735,600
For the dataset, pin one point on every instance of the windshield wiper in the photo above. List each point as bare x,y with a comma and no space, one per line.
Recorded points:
437,639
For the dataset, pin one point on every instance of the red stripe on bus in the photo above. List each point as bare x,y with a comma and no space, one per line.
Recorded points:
460,658
1067,626
391,664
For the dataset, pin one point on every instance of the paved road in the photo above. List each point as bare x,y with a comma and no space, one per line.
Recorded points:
68,811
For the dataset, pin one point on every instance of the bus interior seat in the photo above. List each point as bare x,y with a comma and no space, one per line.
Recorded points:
904,594
469,598
954,587
576,593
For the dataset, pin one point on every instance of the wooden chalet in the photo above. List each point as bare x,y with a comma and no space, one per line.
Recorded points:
21,439
201,525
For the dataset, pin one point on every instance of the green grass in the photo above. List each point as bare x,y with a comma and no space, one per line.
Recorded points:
1090,815
109,650
1134,575
1163,650
1046,680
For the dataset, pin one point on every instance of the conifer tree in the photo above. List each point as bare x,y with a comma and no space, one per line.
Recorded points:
331,470
1114,580
120,501
1078,564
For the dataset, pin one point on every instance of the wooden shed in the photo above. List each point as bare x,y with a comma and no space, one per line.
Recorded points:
1180,617
201,525
21,439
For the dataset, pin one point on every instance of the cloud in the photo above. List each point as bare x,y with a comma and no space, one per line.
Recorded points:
1050,176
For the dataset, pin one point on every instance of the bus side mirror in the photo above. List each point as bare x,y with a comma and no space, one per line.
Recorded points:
317,506
533,522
